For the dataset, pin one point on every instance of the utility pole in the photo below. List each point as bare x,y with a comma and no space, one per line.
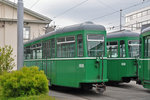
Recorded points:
120,19
20,25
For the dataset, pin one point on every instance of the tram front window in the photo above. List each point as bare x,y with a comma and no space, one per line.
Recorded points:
133,47
95,45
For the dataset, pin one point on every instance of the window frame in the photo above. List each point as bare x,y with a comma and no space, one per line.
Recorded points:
95,41
66,42
124,48
146,48
133,44
78,46
29,33
117,49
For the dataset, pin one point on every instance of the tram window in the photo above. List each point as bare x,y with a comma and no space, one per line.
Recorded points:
34,56
122,48
52,48
70,38
66,48
80,45
39,51
24,52
61,39
133,48
95,45
112,48
48,47
33,51
147,46
44,50
95,37
27,53
36,51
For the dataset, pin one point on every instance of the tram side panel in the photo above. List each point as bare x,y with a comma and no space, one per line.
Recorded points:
144,72
67,73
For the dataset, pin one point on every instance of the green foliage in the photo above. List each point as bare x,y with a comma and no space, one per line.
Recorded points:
35,97
6,59
25,82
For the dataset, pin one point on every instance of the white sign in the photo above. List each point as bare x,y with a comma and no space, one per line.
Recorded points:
81,65
123,64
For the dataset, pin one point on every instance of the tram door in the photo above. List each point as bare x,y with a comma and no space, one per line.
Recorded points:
146,63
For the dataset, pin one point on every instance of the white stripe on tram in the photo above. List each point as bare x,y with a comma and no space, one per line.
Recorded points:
144,59
65,58
77,58
119,58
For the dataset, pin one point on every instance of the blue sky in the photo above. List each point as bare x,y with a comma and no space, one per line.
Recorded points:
66,12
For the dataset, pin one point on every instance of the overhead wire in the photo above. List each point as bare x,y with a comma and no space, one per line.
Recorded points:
109,14
100,1
34,4
70,9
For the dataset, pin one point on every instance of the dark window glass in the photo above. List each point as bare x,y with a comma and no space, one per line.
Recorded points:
122,48
52,48
70,38
80,45
61,39
112,49
44,50
27,53
147,47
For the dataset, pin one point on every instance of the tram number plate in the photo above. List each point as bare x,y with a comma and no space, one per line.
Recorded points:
81,65
123,64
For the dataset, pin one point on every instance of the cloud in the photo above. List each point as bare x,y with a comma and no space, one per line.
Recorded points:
85,12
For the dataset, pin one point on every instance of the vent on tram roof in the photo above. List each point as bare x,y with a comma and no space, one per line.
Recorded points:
88,22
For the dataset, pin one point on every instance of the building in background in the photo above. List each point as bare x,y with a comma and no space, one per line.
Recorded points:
136,19
34,25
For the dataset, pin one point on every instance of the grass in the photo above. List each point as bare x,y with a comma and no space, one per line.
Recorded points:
39,97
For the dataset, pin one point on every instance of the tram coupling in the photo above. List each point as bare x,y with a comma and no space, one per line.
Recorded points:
100,88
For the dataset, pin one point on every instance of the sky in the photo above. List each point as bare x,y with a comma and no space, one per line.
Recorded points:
69,12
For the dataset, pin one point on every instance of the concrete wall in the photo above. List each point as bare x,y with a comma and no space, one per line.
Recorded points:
8,29
11,13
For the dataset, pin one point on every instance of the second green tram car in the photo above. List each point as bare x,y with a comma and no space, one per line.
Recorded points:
144,61
123,50
73,56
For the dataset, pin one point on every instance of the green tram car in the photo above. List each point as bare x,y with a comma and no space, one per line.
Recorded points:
122,53
73,56
144,61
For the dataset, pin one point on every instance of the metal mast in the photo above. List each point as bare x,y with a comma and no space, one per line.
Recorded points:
120,19
20,25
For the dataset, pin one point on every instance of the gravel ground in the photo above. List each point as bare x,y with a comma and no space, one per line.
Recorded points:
125,91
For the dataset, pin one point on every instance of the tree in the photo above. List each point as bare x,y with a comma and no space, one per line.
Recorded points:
6,59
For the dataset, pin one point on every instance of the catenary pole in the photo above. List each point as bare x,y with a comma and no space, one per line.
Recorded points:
20,25
120,19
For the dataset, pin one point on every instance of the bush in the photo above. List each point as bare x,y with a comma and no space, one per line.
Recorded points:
6,59
25,82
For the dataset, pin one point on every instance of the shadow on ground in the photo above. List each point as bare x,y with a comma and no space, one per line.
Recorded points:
76,91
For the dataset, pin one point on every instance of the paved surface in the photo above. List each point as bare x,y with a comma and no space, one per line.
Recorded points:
126,91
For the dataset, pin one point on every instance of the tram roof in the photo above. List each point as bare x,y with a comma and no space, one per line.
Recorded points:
145,28
77,27
123,33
